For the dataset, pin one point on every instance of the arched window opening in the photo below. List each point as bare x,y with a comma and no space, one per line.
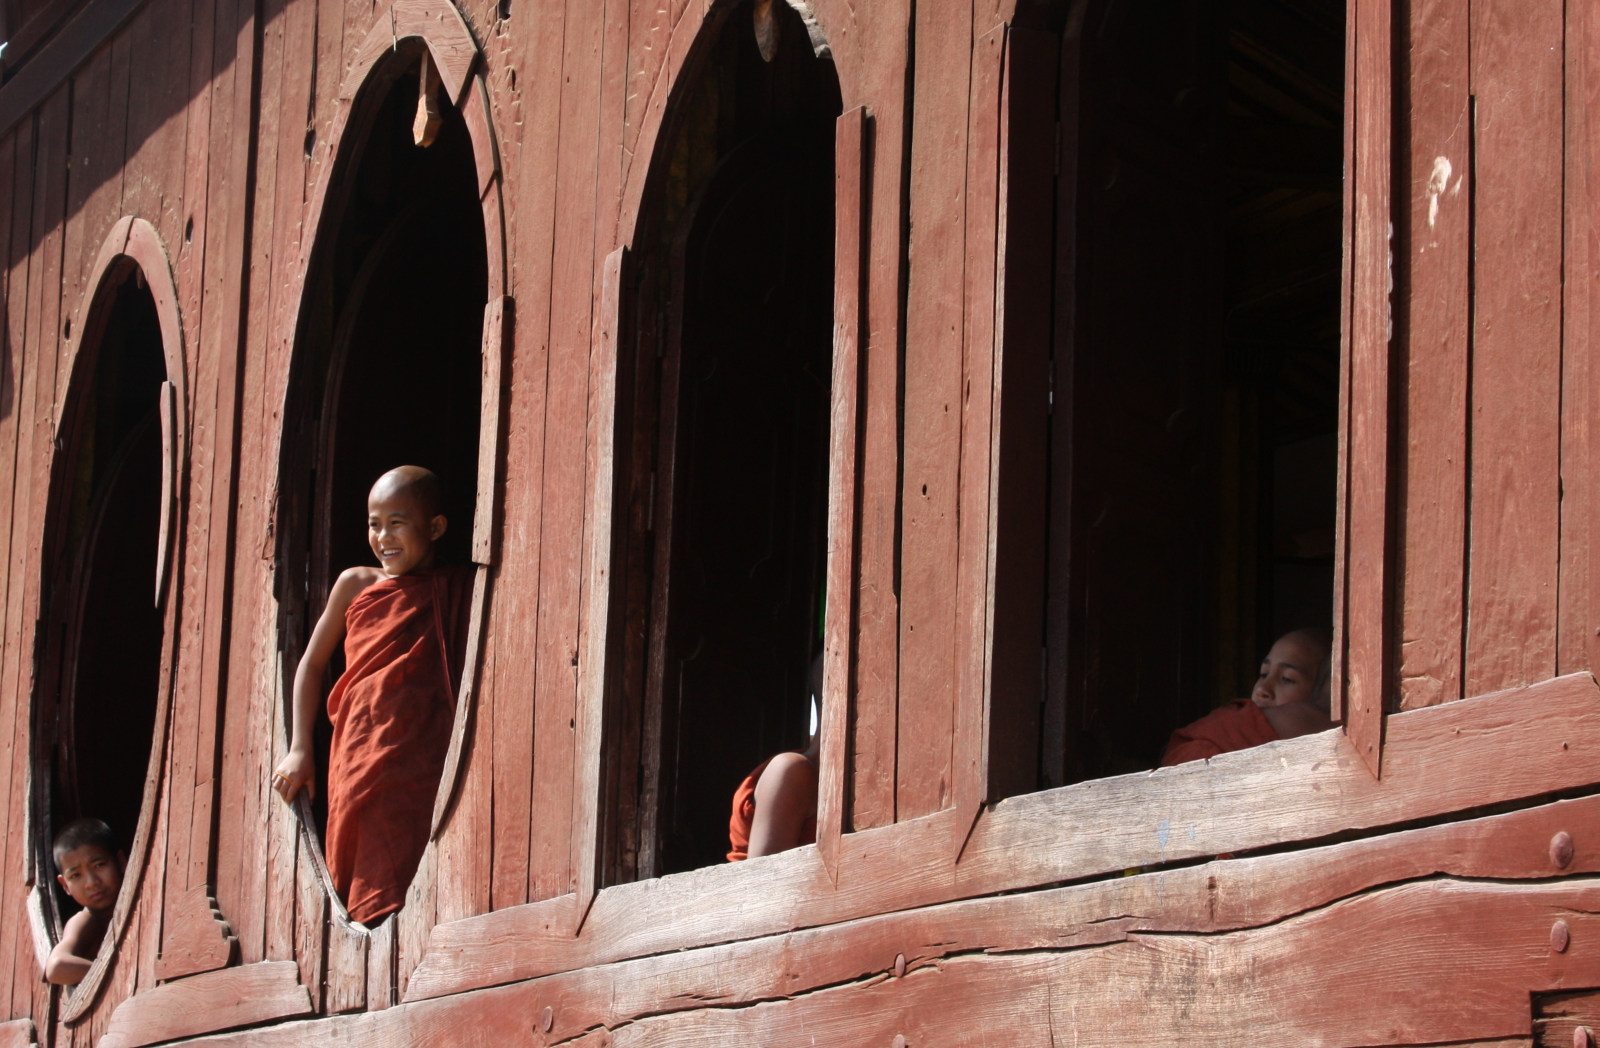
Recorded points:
1194,445
101,681
388,358
731,359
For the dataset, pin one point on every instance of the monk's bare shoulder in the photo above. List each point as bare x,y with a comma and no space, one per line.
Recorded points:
350,582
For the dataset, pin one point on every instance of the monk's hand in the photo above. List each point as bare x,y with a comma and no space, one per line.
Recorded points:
293,772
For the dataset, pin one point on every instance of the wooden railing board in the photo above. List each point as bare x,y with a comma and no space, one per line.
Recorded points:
211,1001
1515,745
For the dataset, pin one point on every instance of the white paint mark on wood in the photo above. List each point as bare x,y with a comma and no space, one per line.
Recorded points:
1437,183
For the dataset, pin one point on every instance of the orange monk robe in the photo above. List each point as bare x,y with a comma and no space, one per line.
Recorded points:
392,711
744,817
1236,726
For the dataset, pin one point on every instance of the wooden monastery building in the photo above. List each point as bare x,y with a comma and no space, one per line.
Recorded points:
1038,362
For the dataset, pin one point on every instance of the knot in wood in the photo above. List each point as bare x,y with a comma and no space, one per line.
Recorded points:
899,965
547,1019
1561,850
1560,936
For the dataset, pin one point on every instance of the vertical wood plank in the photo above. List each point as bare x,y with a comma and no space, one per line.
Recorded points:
1366,459
1516,344
602,602
550,858
974,563
933,411
850,175
496,343
885,33
516,614
1578,645
1436,273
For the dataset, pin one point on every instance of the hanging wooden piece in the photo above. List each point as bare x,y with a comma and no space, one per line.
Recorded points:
425,128
766,27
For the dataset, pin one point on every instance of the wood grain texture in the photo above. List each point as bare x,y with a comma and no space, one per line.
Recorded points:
930,491
1516,344
1435,274
1578,642
1518,744
844,457
18,1033
1365,537
438,23
195,938
203,1003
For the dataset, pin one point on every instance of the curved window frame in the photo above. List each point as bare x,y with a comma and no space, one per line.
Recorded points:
454,55
133,247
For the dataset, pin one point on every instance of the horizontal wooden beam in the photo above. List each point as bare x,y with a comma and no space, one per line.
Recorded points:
1176,939
1510,746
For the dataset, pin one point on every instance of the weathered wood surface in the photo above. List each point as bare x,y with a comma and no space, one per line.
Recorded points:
1516,343
1442,759
1435,269
196,938
211,1001
18,1033
1363,543
1165,939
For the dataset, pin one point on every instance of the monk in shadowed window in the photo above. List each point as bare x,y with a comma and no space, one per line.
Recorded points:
403,627
1291,697
775,807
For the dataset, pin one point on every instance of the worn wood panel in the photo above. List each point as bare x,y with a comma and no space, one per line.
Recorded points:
18,1033
980,352
515,616
463,833
16,167
1366,454
1436,272
1516,343
550,859
213,1001
346,969
1217,897
94,181
934,401
227,281
311,920
158,64
850,175
1187,988
35,454
381,966
1517,744
884,57
1578,643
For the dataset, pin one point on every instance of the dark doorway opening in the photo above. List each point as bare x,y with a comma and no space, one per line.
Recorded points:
1194,430
388,359
101,684
731,373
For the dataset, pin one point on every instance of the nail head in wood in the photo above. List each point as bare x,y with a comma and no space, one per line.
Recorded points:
1582,1037
1560,936
899,965
1561,850
899,1041
547,1019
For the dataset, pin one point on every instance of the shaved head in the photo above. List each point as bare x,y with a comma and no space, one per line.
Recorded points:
412,482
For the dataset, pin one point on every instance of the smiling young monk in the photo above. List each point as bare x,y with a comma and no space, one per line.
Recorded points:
403,626
1290,698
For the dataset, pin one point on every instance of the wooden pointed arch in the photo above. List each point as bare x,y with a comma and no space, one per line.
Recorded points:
391,43
132,247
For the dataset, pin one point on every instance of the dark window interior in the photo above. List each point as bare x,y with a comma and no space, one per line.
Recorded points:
101,681
1196,368
731,367
388,365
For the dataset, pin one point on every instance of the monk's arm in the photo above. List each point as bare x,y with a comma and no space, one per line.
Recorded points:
67,966
298,768
786,795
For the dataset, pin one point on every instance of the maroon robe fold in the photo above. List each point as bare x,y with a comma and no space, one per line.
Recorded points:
392,711
1236,726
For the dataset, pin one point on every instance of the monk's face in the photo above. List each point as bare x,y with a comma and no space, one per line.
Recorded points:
1289,672
400,530
91,876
